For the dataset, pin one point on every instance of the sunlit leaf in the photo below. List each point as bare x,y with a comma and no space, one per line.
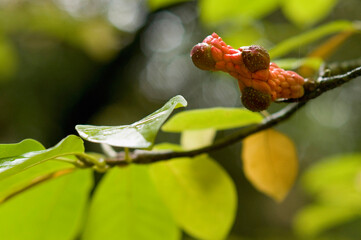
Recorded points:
216,118
51,210
22,180
213,12
293,43
307,12
199,193
315,219
140,134
155,4
270,162
14,163
126,205
197,138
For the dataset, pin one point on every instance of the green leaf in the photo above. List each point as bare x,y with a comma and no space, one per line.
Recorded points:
52,210
315,219
325,174
213,12
16,149
140,134
127,206
336,183
294,63
293,43
13,163
22,180
336,180
307,12
197,138
156,4
216,118
199,193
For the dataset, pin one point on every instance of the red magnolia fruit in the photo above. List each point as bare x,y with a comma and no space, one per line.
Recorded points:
251,67
255,58
255,100
202,57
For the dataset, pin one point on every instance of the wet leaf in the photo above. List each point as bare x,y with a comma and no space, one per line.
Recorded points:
270,163
140,134
18,160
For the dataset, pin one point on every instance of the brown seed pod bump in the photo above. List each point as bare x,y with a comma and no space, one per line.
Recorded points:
255,100
255,58
202,57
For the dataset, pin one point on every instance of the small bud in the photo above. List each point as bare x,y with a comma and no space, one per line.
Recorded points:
202,56
255,100
255,58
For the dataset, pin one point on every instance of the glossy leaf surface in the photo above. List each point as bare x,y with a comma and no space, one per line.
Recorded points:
140,134
216,118
12,164
199,193
51,210
270,163
127,206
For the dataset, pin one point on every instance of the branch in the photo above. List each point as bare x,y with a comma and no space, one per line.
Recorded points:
324,84
312,91
145,157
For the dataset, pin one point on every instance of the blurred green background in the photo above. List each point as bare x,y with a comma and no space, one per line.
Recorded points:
112,62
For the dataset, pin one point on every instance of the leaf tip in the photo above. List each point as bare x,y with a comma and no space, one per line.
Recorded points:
180,100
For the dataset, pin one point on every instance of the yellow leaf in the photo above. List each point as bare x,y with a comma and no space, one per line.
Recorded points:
270,163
